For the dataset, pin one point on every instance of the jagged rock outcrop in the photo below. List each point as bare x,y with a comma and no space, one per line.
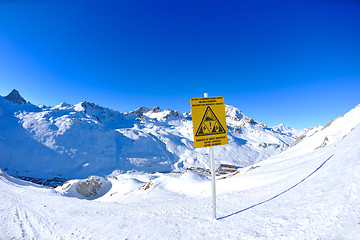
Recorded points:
15,97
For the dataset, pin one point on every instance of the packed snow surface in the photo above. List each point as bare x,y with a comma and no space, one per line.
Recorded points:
309,191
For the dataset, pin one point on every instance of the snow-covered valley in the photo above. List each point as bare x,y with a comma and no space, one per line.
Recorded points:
310,190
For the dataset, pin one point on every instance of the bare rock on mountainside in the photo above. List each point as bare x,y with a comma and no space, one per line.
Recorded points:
15,97
91,188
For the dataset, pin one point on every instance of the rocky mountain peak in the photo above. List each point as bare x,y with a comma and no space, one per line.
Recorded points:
142,110
155,109
15,97
234,113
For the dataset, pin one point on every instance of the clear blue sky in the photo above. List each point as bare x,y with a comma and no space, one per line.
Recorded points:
292,62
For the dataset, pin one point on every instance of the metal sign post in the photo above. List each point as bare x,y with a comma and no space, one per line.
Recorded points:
209,127
211,150
213,185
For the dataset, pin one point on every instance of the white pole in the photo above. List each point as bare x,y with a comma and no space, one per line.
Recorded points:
213,187
211,150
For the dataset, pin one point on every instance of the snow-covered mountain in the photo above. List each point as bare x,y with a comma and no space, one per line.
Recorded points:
15,97
289,131
319,137
309,191
84,139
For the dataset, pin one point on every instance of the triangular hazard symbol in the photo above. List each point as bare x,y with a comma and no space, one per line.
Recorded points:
209,125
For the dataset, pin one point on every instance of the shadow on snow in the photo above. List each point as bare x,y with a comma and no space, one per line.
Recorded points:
272,198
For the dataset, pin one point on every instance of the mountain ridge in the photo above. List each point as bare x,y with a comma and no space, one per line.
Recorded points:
85,138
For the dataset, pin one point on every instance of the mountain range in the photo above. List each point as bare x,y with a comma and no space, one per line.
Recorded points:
76,141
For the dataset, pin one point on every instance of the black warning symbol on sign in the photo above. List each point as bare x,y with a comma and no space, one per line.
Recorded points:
209,125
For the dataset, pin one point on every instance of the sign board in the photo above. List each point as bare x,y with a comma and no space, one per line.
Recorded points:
209,121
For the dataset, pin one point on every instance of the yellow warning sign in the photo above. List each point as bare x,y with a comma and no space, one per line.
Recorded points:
209,121
209,125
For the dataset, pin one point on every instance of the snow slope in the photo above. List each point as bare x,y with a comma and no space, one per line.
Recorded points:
305,192
76,141
334,131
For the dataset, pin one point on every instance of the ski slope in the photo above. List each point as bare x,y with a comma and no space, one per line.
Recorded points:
309,191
